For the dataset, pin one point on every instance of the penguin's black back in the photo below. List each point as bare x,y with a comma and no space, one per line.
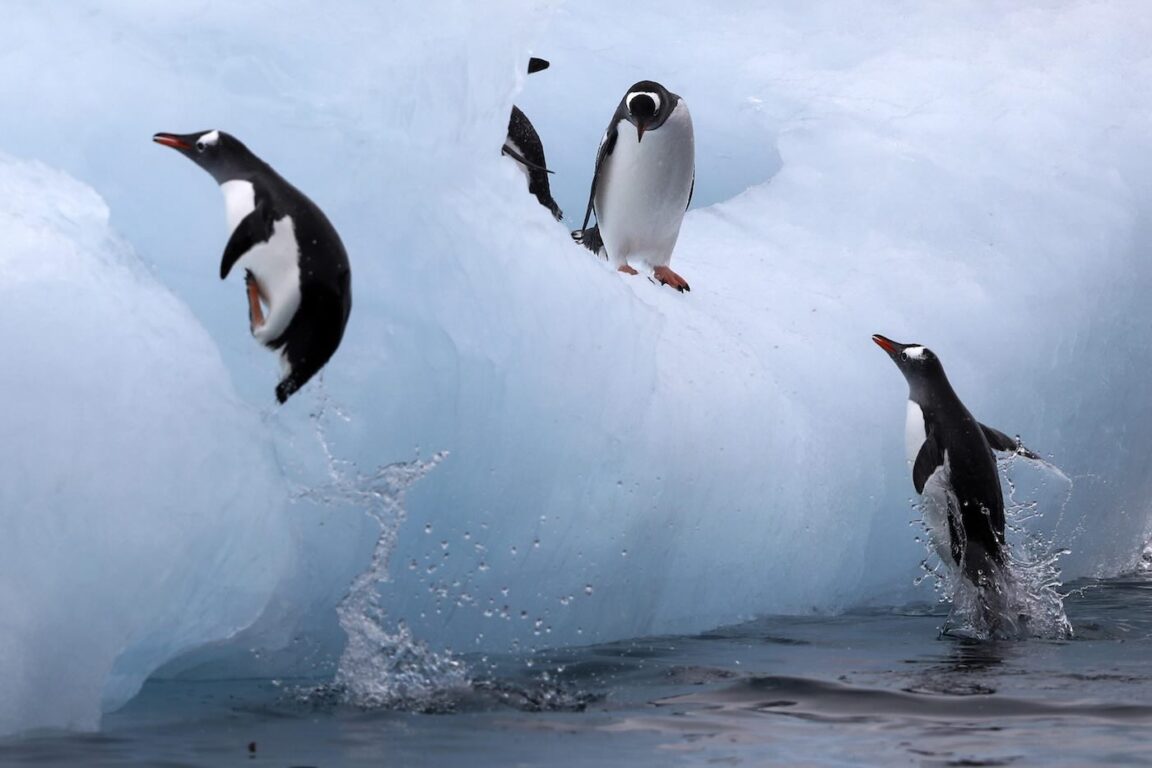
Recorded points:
317,328
975,482
527,141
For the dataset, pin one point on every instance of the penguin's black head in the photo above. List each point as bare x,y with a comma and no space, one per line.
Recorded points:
221,154
647,105
915,361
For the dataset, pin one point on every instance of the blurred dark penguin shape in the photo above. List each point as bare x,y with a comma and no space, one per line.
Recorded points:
524,146
294,262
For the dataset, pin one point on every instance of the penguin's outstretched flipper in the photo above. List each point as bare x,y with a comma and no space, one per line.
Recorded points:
523,160
1001,442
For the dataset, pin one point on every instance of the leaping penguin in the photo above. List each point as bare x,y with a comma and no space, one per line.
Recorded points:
523,145
953,466
640,189
292,258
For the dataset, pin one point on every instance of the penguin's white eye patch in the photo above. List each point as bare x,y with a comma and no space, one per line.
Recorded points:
209,139
653,96
914,353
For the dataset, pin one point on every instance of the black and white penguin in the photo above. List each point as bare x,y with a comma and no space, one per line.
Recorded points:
953,466
643,181
523,145
293,260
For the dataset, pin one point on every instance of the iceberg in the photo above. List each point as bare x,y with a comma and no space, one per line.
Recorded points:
140,517
620,460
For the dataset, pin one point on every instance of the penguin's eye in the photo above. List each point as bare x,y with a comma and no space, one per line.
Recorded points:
201,146
904,356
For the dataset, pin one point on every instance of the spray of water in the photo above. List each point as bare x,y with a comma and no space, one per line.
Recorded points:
382,665
1023,599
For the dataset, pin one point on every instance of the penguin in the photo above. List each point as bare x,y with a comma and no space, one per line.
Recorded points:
643,182
294,262
523,145
953,466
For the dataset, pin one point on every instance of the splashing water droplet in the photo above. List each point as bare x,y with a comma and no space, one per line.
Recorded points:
380,667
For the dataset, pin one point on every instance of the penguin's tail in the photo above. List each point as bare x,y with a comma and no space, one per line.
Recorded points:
311,338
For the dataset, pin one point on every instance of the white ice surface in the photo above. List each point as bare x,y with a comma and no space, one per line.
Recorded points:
624,459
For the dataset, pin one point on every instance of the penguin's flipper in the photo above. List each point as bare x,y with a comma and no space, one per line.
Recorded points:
930,458
1001,442
691,190
536,64
253,229
607,144
507,150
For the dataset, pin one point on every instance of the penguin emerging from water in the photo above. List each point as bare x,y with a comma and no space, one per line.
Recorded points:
643,181
524,146
953,466
292,258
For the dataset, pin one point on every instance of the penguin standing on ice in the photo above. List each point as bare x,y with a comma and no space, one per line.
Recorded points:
643,181
524,146
953,466
292,258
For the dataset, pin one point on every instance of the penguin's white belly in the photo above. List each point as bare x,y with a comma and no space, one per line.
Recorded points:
937,498
512,145
275,264
644,189
914,432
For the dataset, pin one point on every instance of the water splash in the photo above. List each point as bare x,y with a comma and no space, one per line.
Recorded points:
379,667
1145,563
1024,599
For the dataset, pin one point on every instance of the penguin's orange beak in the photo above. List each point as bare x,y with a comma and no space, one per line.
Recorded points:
887,345
171,140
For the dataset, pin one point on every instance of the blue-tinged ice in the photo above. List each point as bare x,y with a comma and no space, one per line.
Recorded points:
141,505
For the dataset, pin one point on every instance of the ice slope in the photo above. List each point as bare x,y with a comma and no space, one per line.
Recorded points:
140,518
622,459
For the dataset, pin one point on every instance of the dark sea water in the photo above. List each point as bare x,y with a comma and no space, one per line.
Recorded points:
876,688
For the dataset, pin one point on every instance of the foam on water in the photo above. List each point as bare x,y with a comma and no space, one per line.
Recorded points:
1025,598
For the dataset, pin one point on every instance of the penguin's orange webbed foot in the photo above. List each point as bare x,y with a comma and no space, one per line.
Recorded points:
666,276
627,270
255,311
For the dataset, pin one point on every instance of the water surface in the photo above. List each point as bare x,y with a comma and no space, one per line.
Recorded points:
873,688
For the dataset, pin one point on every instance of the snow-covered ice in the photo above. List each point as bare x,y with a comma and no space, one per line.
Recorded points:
621,459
